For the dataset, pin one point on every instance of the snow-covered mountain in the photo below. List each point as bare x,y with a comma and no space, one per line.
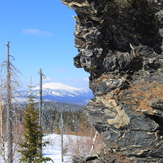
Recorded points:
59,92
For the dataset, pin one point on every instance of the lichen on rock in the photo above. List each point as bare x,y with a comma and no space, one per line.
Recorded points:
120,43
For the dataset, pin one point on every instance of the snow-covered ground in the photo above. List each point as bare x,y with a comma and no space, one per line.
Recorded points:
72,145
53,149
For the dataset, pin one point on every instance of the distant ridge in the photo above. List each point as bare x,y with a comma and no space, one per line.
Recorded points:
59,92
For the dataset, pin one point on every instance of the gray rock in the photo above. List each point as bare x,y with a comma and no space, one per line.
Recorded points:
120,45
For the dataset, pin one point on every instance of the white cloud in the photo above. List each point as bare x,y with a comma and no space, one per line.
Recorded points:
36,32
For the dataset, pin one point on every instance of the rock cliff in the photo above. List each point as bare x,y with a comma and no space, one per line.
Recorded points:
120,45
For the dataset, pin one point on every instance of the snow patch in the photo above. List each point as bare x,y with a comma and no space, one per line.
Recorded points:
60,86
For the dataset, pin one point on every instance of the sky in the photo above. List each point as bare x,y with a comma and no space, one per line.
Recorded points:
40,33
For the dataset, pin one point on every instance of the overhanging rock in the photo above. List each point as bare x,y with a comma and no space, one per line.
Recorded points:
119,43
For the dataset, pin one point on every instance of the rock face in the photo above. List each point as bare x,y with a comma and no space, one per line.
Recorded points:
120,45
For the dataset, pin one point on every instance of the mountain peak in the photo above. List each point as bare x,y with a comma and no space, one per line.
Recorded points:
59,86
59,92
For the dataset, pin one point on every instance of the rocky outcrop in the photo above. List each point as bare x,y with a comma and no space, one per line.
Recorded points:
120,45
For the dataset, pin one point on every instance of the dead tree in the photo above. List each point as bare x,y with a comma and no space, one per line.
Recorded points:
9,89
40,107
8,108
2,143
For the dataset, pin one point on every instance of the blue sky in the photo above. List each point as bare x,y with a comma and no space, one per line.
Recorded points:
41,36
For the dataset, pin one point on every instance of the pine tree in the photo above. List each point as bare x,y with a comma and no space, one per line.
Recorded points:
31,143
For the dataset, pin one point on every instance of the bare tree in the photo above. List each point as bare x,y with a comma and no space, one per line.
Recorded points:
40,108
2,143
8,90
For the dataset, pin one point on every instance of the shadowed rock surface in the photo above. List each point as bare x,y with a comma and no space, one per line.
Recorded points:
120,45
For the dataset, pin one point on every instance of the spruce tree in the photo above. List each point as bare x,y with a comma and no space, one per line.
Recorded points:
31,143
